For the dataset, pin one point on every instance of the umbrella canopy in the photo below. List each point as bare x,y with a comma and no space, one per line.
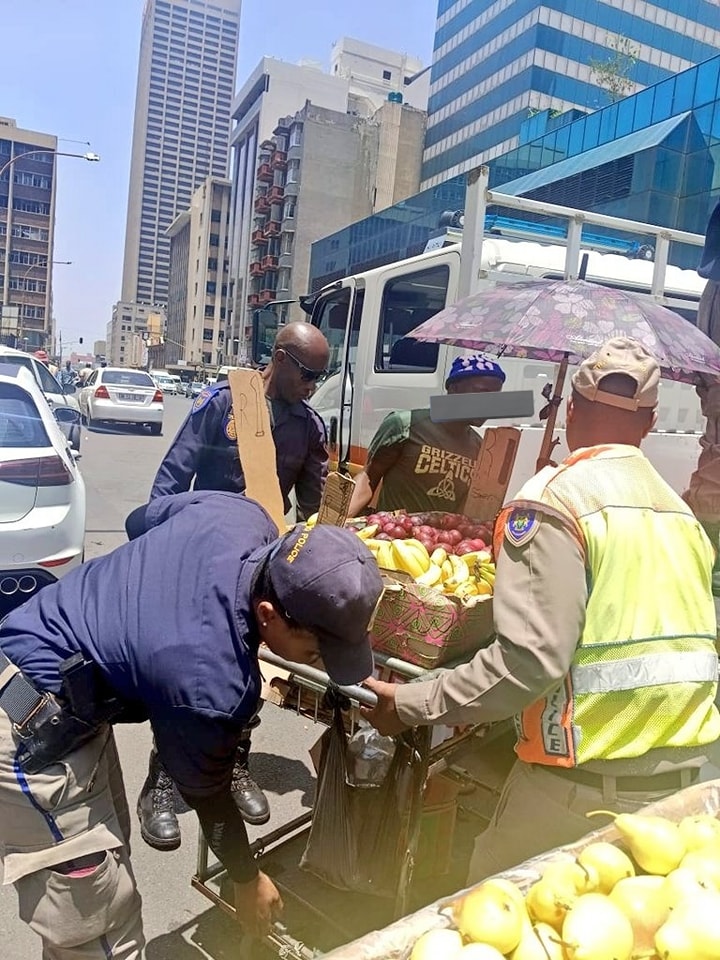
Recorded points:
567,320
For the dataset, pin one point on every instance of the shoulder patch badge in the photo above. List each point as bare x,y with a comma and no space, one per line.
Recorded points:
521,526
203,399
229,429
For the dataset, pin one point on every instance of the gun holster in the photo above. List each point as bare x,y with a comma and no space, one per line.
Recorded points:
60,726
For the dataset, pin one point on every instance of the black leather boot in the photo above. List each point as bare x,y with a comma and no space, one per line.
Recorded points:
159,826
251,801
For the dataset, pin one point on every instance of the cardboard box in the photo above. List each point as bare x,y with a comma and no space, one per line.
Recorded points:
491,473
423,626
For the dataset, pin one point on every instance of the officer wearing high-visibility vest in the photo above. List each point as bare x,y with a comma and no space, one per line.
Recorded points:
605,629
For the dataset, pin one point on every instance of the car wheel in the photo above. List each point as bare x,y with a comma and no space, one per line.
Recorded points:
156,429
83,419
75,435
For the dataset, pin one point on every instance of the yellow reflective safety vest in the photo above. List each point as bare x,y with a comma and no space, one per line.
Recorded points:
645,671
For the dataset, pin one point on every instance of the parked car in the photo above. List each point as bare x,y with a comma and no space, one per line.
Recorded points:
179,385
194,389
42,493
120,395
55,394
165,382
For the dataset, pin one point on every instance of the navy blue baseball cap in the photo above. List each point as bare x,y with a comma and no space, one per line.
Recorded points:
710,260
477,365
328,581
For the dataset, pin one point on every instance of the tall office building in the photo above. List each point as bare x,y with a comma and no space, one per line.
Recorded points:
27,224
496,63
186,78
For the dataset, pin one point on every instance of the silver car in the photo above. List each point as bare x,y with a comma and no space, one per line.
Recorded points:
60,399
119,395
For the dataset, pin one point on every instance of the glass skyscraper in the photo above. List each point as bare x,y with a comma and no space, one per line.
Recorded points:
496,63
181,135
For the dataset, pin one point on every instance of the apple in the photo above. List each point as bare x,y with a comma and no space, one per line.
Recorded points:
465,546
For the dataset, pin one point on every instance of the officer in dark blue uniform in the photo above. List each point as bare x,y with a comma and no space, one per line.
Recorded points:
130,636
205,450
204,455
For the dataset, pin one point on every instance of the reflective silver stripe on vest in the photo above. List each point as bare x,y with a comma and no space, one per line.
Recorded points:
649,671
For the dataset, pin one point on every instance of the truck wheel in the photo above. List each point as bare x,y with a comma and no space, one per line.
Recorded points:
156,429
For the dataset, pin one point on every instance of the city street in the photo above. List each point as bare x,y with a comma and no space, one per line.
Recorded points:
180,924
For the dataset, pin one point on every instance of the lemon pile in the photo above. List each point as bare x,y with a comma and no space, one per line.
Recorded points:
472,575
659,901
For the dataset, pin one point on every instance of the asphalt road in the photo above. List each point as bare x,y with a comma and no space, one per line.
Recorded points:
180,924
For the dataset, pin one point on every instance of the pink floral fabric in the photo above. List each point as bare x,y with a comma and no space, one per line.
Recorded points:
546,319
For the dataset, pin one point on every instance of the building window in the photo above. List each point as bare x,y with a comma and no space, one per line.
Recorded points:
284,275
293,171
387,75
287,243
216,216
214,239
211,287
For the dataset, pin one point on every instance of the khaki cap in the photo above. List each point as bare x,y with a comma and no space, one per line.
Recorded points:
619,355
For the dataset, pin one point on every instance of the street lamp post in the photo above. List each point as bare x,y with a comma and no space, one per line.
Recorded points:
92,157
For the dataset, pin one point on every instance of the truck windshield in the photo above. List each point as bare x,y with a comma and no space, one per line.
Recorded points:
331,317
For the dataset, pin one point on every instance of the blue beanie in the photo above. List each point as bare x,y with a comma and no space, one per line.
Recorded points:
476,366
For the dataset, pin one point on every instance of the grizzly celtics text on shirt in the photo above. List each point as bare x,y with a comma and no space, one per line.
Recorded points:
432,462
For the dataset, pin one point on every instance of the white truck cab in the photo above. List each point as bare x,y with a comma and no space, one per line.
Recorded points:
376,367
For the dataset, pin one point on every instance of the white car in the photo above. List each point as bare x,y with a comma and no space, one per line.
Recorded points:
165,382
120,395
42,493
55,394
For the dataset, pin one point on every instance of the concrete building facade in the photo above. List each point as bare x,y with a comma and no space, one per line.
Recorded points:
323,169
199,275
131,327
496,63
186,80
355,85
27,227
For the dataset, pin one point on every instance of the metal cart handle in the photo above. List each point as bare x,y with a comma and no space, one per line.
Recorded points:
358,694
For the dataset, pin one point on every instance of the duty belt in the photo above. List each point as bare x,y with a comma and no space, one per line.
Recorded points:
21,701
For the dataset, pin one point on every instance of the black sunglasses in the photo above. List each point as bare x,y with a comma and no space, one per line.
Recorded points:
305,372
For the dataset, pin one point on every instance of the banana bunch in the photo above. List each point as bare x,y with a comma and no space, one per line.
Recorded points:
472,575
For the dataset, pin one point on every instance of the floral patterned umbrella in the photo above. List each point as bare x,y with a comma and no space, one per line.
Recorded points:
569,319
564,321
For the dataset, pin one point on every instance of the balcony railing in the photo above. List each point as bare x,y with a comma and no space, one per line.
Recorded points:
253,300
269,262
262,204
275,194
258,238
266,296
265,173
256,268
279,160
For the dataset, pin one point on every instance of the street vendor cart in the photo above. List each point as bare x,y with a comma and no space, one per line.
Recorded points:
434,845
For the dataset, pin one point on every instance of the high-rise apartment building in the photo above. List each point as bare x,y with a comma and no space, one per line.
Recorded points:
323,169
360,80
27,225
496,63
186,80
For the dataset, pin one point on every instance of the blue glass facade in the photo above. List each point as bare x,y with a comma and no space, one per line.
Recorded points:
653,157
496,61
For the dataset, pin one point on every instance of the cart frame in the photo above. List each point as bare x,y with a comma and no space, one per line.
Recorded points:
316,682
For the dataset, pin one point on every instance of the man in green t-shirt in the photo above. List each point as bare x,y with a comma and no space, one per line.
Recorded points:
423,465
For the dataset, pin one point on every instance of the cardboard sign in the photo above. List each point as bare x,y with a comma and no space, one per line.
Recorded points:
491,473
335,503
255,442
